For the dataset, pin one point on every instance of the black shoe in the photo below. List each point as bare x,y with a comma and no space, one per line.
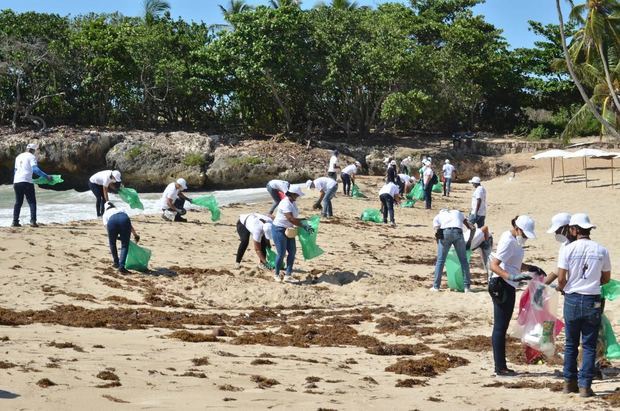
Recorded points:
570,386
123,270
33,224
505,373
180,219
16,224
115,265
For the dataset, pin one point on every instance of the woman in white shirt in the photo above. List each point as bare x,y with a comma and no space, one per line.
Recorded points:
256,227
388,195
286,218
119,226
348,177
507,267
100,183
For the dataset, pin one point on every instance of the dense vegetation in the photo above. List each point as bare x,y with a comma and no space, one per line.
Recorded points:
335,68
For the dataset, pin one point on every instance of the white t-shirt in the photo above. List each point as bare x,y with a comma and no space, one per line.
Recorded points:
285,206
23,167
109,213
428,174
279,185
448,169
171,192
585,260
451,219
479,193
438,218
254,224
333,162
476,240
102,178
325,183
406,179
351,169
389,188
510,253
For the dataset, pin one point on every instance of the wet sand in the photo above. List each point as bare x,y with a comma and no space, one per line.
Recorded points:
358,330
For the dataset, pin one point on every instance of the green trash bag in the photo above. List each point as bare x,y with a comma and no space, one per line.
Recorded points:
355,192
271,259
408,203
612,348
417,193
438,188
137,257
454,270
372,215
309,247
130,196
211,203
611,290
56,179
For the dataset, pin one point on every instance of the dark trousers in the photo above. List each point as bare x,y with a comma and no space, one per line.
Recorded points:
244,237
98,192
346,183
179,204
276,198
387,206
502,313
27,190
428,189
119,227
332,174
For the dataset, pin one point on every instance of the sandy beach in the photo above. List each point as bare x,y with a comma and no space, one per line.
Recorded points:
359,330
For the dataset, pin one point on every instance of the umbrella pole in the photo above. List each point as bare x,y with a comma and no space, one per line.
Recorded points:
551,170
612,173
563,178
585,162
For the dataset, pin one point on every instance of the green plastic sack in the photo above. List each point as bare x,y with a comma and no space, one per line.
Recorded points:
137,257
309,247
438,188
408,204
612,350
271,259
454,270
130,196
372,215
211,203
56,179
611,290
355,192
417,193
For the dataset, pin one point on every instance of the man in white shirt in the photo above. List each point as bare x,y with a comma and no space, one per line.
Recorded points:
118,226
173,200
100,183
348,177
388,195
405,183
478,203
277,190
449,172
405,165
449,232
332,170
428,179
25,165
256,227
583,266
328,187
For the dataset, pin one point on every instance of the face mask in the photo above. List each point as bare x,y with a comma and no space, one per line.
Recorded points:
521,240
561,238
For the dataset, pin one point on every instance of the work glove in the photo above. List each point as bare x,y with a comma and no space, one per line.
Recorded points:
317,206
537,270
137,238
182,211
519,277
190,200
307,227
473,218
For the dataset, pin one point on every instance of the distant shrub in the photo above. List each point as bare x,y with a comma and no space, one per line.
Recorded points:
194,159
539,132
246,160
133,152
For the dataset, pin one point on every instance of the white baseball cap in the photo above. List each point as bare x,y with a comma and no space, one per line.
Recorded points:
393,162
31,146
296,190
117,175
557,221
447,161
526,223
267,230
182,183
358,164
475,180
582,220
426,162
308,185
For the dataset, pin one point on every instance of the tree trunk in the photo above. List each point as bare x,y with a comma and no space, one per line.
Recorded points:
608,77
18,101
578,84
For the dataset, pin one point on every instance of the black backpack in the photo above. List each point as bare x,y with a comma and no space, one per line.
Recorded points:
434,180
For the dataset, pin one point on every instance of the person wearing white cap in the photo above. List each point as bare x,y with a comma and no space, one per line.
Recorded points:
429,179
388,195
102,182
507,265
327,187
583,266
405,165
405,183
479,238
119,227
257,227
277,190
173,200
25,165
348,177
478,203
449,232
283,231
391,174
449,172
333,168
560,228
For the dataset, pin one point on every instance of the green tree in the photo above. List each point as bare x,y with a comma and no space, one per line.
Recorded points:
276,4
234,7
154,9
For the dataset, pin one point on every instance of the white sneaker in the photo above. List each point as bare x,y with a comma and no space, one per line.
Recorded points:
277,278
467,290
288,279
434,290
237,265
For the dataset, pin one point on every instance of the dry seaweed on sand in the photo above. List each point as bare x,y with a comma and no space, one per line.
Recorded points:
6,364
200,361
398,349
65,345
187,336
114,399
613,399
228,387
193,374
45,382
111,384
431,366
370,380
410,383
264,382
108,376
262,361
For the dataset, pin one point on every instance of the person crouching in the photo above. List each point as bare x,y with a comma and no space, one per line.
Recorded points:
257,227
118,225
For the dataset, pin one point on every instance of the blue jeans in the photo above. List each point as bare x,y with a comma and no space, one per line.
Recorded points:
582,317
451,236
428,197
387,206
346,183
24,189
447,185
327,201
119,226
502,313
283,245
478,220
276,199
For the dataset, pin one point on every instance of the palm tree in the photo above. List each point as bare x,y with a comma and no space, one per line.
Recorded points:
154,9
276,4
235,7
571,69
344,4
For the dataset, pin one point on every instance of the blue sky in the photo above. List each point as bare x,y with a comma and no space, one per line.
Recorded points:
509,15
